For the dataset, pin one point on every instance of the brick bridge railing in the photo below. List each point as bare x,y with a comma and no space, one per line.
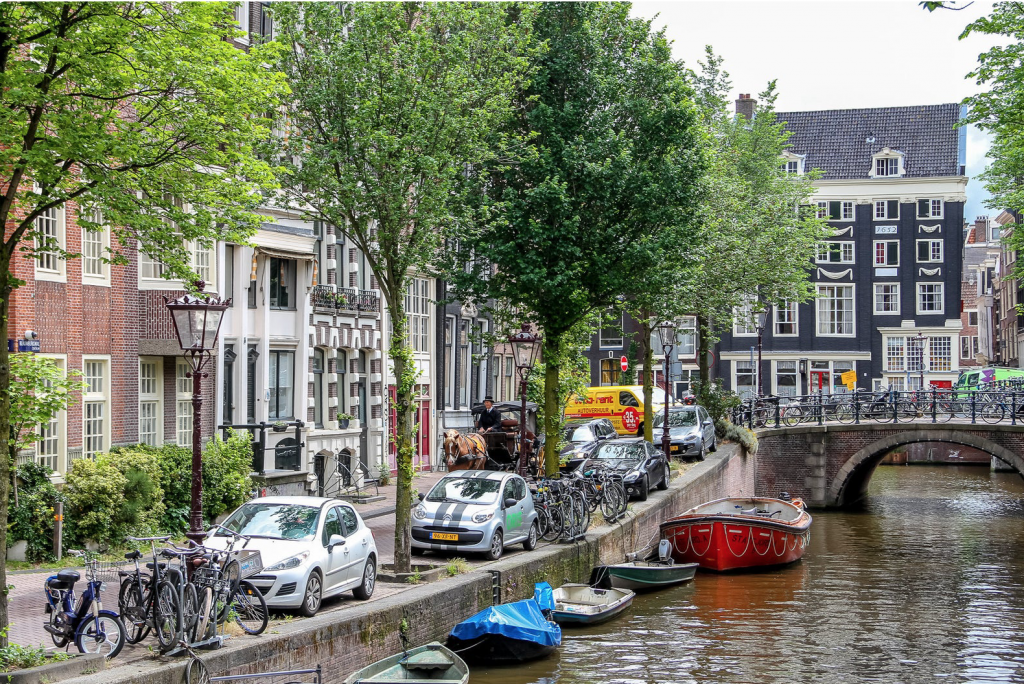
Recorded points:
830,465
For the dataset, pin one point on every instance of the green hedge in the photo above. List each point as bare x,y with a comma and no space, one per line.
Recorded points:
31,518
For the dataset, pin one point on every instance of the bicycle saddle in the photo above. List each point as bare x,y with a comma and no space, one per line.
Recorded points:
133,555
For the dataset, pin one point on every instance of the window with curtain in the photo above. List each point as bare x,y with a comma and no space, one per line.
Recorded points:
281,384
318,388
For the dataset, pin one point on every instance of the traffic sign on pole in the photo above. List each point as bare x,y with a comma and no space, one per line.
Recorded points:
624,363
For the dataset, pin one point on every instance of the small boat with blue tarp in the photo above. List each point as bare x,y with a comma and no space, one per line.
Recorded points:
508,633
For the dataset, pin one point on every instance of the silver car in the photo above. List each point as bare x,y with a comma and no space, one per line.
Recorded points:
475,511
691,431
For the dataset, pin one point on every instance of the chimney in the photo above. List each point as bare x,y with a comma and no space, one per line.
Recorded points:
981,229
745,105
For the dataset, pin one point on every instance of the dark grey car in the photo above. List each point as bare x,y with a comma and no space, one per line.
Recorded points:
690,429
641,465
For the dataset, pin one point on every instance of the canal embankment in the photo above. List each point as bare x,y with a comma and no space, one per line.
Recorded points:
343,641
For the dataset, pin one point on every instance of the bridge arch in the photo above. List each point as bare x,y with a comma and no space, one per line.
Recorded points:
850,482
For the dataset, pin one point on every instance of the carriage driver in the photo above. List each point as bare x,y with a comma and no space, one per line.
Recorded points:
489,419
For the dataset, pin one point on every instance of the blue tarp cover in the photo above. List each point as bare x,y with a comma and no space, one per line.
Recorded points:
544,595
520,620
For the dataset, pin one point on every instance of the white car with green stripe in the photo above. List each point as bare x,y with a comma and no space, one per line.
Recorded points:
475,511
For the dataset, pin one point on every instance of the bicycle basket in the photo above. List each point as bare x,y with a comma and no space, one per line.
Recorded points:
250,562
108,571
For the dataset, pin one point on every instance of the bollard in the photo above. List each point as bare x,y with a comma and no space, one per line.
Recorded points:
974,407
58,528
933,403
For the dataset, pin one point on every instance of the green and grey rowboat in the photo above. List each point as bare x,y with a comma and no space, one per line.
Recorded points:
649,575
422,665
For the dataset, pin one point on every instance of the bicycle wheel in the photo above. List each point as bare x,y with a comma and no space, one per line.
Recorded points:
571,523
943,411
992,412
555,522
204,617
621,497
844,412
583,510
250,608
104,634
793,416
132,606
609,502
196,672
166,617
190,612
232,572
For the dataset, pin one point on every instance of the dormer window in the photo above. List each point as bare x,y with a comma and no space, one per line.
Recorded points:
887,164
792,164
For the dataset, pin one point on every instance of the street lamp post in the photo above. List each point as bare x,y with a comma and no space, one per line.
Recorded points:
525,346
197,319
920,339
760,322
667,333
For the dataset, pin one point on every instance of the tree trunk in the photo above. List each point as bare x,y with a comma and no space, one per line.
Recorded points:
552,411
5,432
703,334
405,376
648,379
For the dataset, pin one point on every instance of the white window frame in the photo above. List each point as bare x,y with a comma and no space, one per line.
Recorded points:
687,337
823,210
933,341
94,398
874,298
790,307
931,251
612,342
847,252
931,208
153,395
242,18
874,253
884,204
741,327
58,273
975,313
99,240
59,424
888,155
819,313
182,403
417,314
972,347
942,298
788,159
753,378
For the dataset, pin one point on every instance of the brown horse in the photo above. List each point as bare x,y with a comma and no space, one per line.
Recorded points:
464,452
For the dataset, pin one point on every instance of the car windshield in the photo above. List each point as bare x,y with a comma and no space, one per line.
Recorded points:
274,521
676,419
582,433
619,452
465,490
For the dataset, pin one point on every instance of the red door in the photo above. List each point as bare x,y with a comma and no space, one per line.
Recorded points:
422,458
819,381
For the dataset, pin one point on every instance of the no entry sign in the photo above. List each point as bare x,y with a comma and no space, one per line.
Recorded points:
624,364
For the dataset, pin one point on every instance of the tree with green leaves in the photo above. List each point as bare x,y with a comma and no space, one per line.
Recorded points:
757,233
393,102
608,163
1000,111
136,117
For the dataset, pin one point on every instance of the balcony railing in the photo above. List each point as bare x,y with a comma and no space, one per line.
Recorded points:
331,299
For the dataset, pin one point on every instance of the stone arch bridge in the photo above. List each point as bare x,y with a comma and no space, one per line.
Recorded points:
830,465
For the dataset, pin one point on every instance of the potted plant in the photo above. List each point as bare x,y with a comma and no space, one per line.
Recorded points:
343,420
279,426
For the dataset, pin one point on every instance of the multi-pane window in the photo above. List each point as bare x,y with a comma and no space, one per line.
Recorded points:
509,387
940,352
887,298
94,244
972,318
744,320
791,167
968,346
149,267
746,379
929,298
887,253
318,388
687,337
202,263
835,310
835,210
611,332
150,401
785,318
449,361
280,385
465,377
929,208
282,283
887,209
887,166
785,378
838,368
417,310
49,447
929,251
835,253
242,18
94,406
895,354
610,370
50,229
183,402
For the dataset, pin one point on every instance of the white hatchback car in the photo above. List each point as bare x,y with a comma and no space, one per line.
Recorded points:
311,548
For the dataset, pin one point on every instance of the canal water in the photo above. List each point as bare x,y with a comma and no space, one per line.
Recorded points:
925,583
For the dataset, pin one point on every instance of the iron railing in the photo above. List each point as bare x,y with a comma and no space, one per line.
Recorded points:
331,298
995,403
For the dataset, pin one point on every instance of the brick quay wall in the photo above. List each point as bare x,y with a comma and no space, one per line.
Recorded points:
344,641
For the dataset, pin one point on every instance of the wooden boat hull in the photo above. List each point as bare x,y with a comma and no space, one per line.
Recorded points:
736,541
647,576
577,604
421,665
494,648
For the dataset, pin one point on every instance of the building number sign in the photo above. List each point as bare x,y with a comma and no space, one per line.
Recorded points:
885,230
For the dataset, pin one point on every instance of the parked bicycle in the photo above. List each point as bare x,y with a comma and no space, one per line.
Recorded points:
82,619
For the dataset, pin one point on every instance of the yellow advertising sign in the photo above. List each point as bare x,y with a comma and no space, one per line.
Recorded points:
849,378
851,386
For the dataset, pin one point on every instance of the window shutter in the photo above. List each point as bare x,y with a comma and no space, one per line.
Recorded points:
923,208
835,210
893,207
922,250
892,253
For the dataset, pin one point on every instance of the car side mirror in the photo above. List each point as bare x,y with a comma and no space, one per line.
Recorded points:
336,540
708,421
422,496
510,502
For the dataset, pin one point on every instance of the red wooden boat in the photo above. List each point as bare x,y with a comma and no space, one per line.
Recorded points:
732,534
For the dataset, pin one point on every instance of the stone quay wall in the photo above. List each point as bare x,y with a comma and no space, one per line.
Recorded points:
344,641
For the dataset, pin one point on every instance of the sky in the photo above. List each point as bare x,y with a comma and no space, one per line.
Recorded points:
838,54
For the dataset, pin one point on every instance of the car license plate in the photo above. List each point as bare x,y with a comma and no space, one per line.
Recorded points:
675,447
444,536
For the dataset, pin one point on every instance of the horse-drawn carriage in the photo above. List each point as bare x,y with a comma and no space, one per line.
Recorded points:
498,449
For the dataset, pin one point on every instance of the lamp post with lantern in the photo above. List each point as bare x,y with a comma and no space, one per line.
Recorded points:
760,322
197,318
525,347
667,333
920,340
